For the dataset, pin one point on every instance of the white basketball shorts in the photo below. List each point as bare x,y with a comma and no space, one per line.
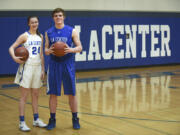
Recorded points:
29,76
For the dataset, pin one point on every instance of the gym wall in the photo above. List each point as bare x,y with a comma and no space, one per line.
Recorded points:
113,36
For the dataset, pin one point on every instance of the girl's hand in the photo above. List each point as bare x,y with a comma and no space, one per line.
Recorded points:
42,75
18,60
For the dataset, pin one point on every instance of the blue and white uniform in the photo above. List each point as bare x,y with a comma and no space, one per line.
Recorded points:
61,69
29,73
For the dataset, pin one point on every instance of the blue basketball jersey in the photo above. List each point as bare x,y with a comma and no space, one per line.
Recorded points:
61,69
61,35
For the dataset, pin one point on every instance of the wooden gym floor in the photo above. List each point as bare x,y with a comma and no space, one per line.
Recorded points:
134,101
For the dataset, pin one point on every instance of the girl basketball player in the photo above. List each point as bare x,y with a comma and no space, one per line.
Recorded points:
30,73
62,69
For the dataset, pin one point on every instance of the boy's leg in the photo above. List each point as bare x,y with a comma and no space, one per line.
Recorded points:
74,110
52,107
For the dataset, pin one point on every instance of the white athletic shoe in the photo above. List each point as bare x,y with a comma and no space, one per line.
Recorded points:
39,123
23,126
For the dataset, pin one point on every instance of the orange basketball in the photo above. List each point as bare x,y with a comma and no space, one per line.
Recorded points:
59,48
22,52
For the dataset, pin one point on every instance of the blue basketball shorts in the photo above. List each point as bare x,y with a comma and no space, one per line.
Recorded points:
59,73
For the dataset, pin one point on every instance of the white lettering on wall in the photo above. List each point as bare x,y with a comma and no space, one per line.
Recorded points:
118,42
94,47
153,41
143,29
165,40
155,51
131,41
106,54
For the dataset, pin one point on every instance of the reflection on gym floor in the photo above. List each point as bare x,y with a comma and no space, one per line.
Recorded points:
124,96
143,101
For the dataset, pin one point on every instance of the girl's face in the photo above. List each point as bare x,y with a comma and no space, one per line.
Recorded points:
58,18
33,23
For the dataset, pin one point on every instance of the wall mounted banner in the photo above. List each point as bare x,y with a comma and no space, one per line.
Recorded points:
109,39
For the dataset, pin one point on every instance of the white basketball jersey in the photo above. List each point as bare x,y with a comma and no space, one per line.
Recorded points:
33,45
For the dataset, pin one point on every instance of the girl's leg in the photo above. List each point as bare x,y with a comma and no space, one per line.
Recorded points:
34,95
23,98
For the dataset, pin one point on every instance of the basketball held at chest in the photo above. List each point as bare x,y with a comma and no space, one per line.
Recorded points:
59,49
22,52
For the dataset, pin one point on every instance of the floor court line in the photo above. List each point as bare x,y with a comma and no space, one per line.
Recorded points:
132,96
126,119
100,115
63,110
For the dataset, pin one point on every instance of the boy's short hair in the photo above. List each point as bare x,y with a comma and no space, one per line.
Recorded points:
57,10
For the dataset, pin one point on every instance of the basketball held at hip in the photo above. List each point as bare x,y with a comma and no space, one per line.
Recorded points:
22,52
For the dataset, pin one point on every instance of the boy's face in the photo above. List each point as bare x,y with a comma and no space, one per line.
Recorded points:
58,18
